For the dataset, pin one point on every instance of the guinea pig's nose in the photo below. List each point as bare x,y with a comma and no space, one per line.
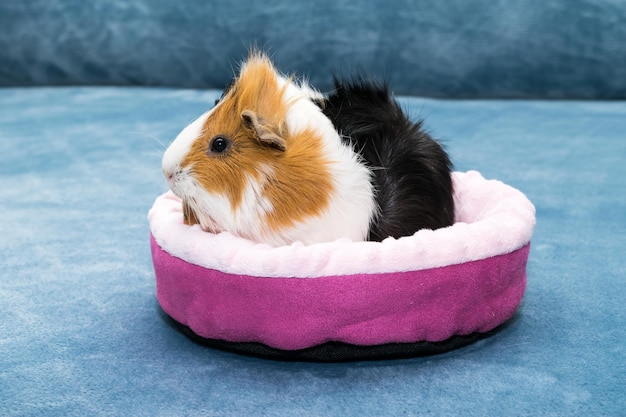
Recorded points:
169,174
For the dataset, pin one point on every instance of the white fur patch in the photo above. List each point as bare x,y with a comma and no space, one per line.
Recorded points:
216,214
253,208
180,147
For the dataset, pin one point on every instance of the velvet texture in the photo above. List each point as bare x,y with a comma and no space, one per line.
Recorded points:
80,329
456,48
364,309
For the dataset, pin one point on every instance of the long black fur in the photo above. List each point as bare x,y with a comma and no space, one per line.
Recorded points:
411,171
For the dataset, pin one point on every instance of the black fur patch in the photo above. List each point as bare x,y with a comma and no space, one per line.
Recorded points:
411,171
227,89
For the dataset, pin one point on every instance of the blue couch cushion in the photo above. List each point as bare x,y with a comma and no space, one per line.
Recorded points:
456,48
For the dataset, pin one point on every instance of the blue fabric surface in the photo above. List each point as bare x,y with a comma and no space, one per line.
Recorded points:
460,48
80,329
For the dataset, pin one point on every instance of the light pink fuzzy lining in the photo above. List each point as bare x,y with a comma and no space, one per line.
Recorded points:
469,277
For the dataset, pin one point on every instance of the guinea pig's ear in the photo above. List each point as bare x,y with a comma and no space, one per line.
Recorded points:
264,130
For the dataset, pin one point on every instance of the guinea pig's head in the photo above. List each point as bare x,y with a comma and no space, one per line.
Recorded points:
256,164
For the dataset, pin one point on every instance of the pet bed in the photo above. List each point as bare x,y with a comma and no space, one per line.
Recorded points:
343,300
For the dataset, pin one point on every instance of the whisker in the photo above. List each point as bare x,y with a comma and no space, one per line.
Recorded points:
378,168
157,153
174,105
154,138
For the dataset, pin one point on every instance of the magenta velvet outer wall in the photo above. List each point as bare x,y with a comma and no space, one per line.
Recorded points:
295,313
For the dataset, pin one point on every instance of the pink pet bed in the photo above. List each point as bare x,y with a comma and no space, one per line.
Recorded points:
343,300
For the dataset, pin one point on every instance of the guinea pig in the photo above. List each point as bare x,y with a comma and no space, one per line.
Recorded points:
276,162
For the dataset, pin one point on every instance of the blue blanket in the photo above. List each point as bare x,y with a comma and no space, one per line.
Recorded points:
81,332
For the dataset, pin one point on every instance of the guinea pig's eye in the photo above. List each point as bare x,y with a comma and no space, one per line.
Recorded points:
219,144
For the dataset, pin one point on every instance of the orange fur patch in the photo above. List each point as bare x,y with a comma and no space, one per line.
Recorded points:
189,215
296,181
